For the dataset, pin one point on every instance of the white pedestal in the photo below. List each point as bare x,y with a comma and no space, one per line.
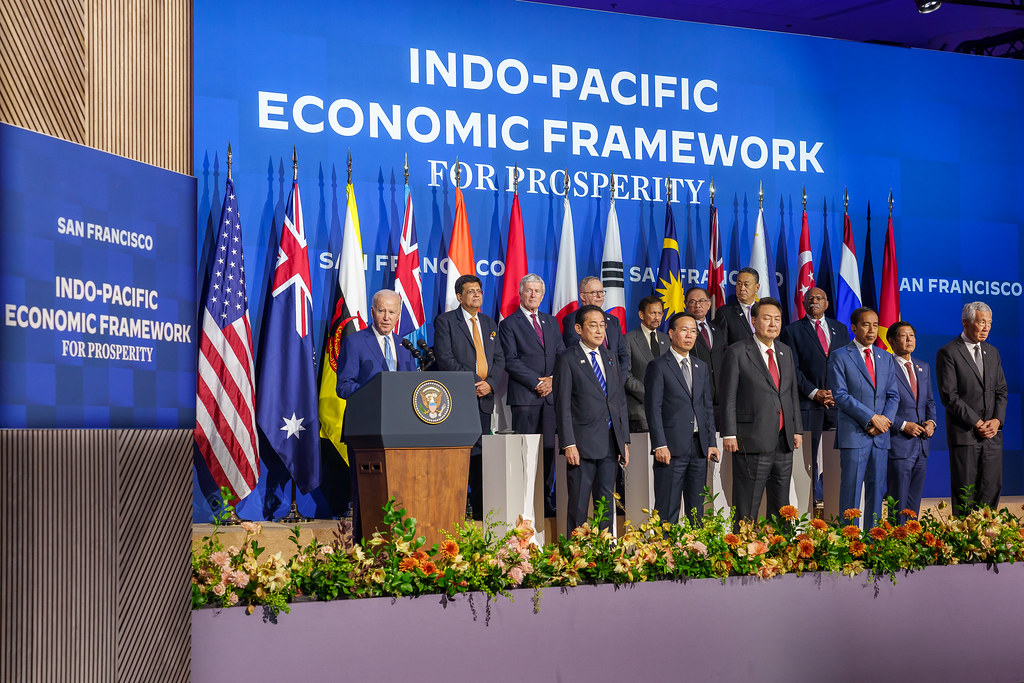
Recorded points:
639,478
514,480
801,494
720,479
831,474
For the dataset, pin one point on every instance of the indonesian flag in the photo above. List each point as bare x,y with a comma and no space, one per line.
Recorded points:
848,291
460,252
759,259
564,301
889,296
611,270
515,261
716,269
804,269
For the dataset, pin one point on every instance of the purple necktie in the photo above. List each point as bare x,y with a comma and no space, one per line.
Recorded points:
536,326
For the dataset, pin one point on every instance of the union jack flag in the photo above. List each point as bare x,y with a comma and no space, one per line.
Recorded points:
716,269
292,268
225,395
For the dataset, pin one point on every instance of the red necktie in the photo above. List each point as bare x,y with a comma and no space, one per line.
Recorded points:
871,365
821,337
913,378
536,326
773,368
704,334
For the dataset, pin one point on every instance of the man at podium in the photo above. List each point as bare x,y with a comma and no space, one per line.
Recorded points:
376,349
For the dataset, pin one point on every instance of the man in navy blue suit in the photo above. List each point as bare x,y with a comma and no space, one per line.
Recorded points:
912,429
592,294
737,318
376,349
590,408
680,416
467,340
813,338
531,341
863,382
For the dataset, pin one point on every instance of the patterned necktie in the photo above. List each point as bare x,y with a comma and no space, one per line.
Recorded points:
821,337
912,377
655,346
979,362
773,368
684,365
868,361
478,343
536,327
389,356
746,314
704,334
600,379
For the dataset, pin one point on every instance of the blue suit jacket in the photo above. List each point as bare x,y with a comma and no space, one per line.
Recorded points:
858,399
671,407
920,411
811,362
526,361
582,408
454,349
360,358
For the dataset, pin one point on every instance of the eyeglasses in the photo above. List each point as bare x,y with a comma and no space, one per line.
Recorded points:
698,302
596,291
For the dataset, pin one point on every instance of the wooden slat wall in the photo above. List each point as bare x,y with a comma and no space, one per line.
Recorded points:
111,74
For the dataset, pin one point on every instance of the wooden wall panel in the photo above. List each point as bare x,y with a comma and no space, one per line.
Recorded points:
112,74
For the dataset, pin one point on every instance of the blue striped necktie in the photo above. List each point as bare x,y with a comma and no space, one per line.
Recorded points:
600,379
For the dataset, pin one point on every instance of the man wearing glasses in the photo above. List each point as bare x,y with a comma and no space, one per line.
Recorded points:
711,342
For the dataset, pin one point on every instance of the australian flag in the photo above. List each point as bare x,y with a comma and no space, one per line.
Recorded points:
286,400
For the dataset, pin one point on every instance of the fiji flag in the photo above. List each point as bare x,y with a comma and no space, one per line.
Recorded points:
286,402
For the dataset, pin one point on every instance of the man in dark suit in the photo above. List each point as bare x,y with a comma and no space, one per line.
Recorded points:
737,318
644,344
912,429
531,341
590,408
682,421
376,349
467,340
812,339
973,390
711,340
863,381
592,294
761,414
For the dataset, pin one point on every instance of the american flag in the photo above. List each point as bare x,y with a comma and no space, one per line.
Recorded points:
716,271
225,395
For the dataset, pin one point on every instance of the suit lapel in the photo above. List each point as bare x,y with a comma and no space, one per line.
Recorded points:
460,321
588,369
970,360
754,353
677,372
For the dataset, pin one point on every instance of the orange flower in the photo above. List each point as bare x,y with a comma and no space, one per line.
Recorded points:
408,564
449,549
900,532
428,568
819,524
888,527
850,531
420,556
1020,532
788,512
776,540
857,548
806,548
929,539
913,526
878,533
732,540
908,513
852,513
755,548
801,537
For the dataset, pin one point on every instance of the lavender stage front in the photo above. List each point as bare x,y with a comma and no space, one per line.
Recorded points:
939,624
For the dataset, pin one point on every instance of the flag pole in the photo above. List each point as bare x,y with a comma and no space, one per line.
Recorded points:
229,160
668,190
293,516
515,179
760,195
232,519
846,201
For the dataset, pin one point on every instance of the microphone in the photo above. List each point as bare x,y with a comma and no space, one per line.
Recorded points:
428,353
407,345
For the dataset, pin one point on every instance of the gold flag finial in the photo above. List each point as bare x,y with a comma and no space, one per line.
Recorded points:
846,200
890,202
229,160
760,195
805,197
349,166
613,187
566,182
515,179
668,189
406,169
712,192
295,165
458,173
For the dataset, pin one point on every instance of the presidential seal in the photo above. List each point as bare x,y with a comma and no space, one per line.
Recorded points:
432,402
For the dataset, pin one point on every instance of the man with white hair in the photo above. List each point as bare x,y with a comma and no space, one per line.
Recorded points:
972,388
376,349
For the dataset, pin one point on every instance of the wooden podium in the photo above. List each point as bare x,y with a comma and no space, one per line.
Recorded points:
409,435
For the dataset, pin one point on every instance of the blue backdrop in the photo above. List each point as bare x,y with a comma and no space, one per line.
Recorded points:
549,88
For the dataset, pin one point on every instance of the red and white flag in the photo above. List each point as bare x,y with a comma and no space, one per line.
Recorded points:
515,262
564,301
611,269
716,268
804,269
225,392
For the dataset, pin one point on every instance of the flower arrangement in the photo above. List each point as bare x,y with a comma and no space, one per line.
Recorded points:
493,560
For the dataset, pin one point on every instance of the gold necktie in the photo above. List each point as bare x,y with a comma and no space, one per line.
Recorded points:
478,342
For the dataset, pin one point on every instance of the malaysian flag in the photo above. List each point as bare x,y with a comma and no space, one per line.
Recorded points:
287,402
225,395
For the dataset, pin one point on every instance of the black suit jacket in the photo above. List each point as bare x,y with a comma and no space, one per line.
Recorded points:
714,356
810,360
454,349
966,398
638,344
750,401
582,408
732,319
526,361
671,407
613,333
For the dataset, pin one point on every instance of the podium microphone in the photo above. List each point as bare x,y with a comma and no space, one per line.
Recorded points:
427,351
407,345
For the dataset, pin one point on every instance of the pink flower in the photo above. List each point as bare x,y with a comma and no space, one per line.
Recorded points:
755,548
219,589
233,599
699,548
239,579
221,559
516,575
251,527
